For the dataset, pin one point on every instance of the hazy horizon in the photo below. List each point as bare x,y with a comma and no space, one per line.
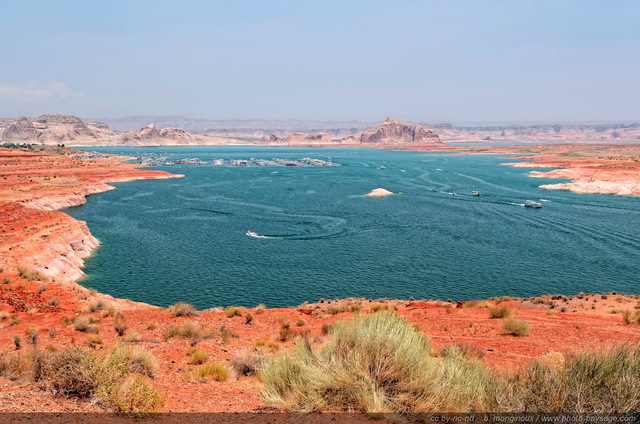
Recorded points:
461,62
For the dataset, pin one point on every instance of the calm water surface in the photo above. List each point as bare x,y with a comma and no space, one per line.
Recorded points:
184,239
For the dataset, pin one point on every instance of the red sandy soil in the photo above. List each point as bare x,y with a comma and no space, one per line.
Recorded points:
29,182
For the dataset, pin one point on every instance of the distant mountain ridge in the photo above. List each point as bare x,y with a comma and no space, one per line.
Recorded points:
146,130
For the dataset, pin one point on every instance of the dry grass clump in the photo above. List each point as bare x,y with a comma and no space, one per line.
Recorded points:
248,363
98,306
197,356
31,274
211,371
375,307
337,307
516,327
182,309
467,349
93,340
590,382
14,366
631,317
267,344
190,330
376,363
136,359
475,304
499,311
86,324
233,311
131,337
260,309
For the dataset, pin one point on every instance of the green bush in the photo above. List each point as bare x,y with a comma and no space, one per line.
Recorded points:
133,396
377,363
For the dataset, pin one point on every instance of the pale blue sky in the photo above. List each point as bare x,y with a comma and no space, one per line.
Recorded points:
435,61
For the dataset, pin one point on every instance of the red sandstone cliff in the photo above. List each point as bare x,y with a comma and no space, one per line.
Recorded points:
393,131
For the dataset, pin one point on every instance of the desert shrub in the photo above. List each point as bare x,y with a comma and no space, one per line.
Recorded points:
32,335
631,317
343,306
93,340
197,356
110,311
267,344
98,306
13,320
260,309
467,349
86,324
190,330
248,319
475,304
211,371
377,363
53,302
135,359
326,328
226,334
517,327
17,342
131,337
301,322
232,311
590,382
182,309
30,274
499,311
14,366
70,372
375,307
248,363
132,396
120,327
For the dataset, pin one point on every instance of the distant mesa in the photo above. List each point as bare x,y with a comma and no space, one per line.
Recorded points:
298,139
393,131
53,129
379,192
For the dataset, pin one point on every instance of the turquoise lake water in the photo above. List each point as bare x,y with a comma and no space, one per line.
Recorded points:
185,239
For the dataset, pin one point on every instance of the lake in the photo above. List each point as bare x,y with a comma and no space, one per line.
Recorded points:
165,241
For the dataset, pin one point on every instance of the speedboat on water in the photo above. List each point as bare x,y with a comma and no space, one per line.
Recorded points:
532,204
475,193
251,233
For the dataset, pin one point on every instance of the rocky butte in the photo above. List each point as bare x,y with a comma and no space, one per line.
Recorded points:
393,131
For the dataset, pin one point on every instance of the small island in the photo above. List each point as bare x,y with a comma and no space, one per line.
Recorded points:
379,192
